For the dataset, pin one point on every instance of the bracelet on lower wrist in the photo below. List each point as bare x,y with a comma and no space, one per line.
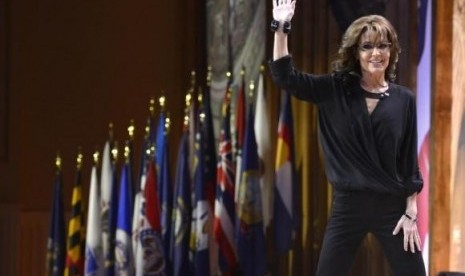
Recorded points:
275,26
410,217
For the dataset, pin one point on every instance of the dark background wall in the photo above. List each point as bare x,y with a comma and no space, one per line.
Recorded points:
71,67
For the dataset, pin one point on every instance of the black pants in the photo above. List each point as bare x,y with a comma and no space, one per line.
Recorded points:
354,214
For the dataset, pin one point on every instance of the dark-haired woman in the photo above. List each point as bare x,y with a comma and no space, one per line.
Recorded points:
367,130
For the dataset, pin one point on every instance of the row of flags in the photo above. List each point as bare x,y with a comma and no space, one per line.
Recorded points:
211,219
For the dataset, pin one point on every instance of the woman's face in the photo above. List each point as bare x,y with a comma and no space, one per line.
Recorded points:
374,53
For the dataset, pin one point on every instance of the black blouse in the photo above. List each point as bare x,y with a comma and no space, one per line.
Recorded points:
365,152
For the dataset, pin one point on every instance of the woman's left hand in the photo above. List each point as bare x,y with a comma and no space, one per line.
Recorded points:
411,235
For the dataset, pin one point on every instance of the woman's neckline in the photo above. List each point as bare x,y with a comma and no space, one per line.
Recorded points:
376,95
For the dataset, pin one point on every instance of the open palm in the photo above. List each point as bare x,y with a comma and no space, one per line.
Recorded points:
283,10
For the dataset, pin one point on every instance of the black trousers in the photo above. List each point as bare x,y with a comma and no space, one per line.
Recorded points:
354,214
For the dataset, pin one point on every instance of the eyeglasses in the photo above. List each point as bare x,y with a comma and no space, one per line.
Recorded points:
383,47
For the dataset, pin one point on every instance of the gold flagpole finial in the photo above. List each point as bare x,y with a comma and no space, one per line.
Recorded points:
188,99
152,106
79,159
147,129
251,89
149,152
193,79
110,131
126,152
200,96
131,129
58,162
209,75
262,69
186,120
162,101
96,157
243,71
167,124
202,117
114,152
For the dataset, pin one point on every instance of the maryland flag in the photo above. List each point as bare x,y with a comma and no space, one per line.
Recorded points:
76,230
55,262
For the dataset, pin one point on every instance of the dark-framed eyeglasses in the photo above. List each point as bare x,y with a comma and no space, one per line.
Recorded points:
369,47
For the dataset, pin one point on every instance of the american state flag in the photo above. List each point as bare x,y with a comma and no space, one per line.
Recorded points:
223,228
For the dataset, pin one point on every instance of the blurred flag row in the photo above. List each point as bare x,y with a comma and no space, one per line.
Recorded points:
209,220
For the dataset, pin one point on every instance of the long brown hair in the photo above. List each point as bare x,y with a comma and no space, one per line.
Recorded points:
347,60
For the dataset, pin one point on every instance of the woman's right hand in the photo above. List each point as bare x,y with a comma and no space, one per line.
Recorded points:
283,10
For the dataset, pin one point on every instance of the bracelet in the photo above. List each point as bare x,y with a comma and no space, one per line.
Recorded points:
274,26
287,27
410,218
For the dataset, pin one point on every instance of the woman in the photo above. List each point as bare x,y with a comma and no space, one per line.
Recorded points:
367,129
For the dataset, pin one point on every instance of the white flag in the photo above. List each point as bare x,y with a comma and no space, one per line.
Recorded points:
94,256
262,134
106,182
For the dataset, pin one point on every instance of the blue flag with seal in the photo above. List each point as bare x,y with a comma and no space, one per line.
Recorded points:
124,259
182,210
201,215
56,244
165,192
250,235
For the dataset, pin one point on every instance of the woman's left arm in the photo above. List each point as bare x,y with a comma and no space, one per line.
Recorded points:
414,183
408,223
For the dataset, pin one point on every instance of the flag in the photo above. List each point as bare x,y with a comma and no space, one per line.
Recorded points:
225,215
56,252
182,210
209,167
201,215
76,239
250,235
94,262
106,186
113,217
165,190
239,131
160,140
424,119
208,147
150,256
191,110
262,133
124,260
285,179
149,140
130,172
